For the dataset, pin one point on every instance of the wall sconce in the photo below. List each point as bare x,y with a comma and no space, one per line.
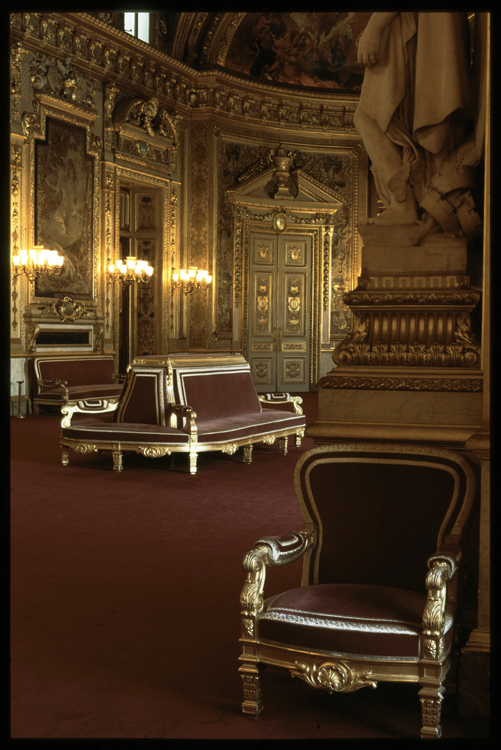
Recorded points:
37,261
129,271
193,278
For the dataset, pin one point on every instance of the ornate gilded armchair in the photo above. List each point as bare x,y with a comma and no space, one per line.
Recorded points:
381,558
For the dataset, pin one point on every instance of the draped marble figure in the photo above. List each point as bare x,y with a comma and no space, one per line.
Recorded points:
416,119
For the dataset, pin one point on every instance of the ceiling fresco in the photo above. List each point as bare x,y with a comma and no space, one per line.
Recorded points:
291,49
302,49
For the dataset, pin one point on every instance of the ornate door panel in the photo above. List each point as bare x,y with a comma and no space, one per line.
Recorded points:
279,311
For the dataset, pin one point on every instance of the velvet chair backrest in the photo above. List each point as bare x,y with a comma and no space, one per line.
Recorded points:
381,511
144,396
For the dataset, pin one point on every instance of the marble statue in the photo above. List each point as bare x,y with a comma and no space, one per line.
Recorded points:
417,121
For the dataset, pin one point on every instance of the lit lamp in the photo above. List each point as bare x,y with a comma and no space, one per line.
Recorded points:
129,271
190,279
36,261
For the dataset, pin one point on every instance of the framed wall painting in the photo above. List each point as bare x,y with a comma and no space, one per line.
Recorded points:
64,208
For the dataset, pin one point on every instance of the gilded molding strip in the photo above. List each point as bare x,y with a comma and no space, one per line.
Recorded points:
334,381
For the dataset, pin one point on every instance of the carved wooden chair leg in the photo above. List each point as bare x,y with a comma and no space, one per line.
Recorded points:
248,454
193,463
284,445
65,456
251,679
431,697
117,460
36,408
298,439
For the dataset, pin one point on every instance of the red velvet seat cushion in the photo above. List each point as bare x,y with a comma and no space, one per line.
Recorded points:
348,619
248,425
92,428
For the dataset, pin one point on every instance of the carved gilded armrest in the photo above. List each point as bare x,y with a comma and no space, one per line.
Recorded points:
96,406
443,566
187,413
270,551
55,383
282,398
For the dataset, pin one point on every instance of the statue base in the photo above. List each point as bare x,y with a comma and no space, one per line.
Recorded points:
409,370
431,405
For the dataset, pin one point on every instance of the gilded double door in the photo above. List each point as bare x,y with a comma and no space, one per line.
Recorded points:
279,311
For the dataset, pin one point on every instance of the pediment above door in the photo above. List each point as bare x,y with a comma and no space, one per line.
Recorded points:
276,180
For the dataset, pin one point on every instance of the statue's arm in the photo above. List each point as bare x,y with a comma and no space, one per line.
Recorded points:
369,45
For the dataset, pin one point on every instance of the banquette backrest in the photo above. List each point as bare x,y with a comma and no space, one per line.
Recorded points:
215,387
75,370
144,397
216,391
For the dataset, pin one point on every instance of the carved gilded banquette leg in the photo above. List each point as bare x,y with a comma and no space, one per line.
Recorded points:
284,445
248,454
117,460
298,436
65,456
193,462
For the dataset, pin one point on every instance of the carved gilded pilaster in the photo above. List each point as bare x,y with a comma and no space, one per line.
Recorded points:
199,234
109,241
17,52
16,232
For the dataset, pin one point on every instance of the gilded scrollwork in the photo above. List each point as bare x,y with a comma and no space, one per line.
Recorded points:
61,78
333,676
269,439
251,596
86,448
68,309
154,451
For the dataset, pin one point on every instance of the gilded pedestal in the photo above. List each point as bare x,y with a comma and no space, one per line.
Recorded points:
410,367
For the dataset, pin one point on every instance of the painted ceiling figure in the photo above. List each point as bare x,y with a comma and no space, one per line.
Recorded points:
415,116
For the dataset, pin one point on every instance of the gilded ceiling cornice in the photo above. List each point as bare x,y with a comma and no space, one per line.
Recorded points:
116,57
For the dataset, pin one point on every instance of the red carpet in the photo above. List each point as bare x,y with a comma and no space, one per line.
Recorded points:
125,600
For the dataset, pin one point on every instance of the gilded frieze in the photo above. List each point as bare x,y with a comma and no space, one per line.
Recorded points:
336,380
95,43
